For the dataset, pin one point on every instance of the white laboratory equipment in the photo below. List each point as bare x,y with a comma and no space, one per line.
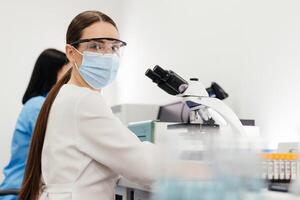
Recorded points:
206,117
208,156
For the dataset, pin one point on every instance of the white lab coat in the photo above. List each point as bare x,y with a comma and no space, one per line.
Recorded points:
87,148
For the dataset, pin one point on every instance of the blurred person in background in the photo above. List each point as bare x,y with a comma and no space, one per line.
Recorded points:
48,69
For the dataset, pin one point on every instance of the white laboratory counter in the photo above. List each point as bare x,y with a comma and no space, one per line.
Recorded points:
191,170
270,195
144,193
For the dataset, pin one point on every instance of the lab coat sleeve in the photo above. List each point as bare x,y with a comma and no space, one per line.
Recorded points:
105,139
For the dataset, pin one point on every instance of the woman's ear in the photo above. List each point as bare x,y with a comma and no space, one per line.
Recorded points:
70,53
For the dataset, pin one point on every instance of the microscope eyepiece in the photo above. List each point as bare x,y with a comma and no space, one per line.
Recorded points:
152,75
167,80
161,72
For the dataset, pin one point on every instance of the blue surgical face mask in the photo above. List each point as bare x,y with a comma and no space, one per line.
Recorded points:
99,70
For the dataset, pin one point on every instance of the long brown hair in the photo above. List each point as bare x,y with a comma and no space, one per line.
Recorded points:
31,185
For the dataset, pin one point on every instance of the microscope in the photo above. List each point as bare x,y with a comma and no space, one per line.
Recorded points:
205,105
187,130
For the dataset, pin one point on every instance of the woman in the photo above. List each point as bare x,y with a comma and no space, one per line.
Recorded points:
49,67
79,148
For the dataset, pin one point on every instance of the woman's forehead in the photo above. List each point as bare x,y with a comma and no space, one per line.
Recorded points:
100,30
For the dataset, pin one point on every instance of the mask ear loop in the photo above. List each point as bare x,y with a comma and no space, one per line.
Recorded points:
76,66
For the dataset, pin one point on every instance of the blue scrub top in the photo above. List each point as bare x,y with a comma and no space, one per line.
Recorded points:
14,171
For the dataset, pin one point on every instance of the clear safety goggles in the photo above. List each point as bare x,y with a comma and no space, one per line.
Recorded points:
101,45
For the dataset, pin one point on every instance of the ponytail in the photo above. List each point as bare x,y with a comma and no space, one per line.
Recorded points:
31,185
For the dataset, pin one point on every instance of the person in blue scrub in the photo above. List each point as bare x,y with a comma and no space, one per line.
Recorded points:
49,68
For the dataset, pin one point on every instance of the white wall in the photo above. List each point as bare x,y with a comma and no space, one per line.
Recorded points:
27,28
250,47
